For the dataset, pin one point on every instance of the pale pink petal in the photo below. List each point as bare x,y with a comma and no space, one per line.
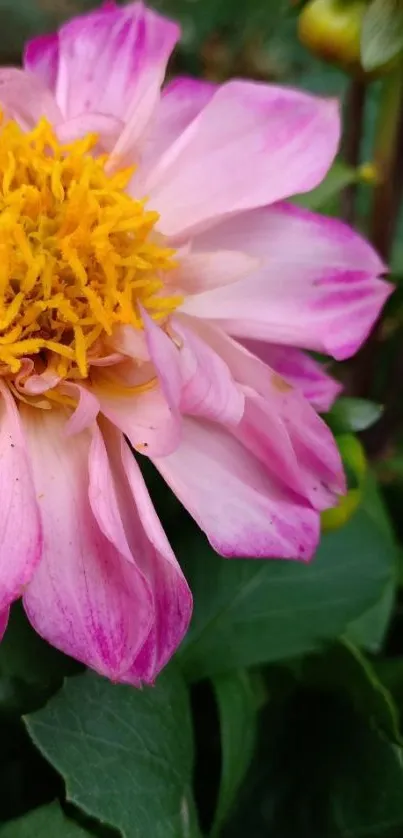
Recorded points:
112,62
207,386
203,270
26,99
300,370
182,99
318,287
41,57
20,526
4,615
251,145
150,550
108,128
85,598
242,510
144,417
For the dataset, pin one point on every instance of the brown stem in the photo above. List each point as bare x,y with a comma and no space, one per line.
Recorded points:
355,112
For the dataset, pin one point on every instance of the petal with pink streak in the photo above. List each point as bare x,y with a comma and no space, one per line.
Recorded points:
41,57
4,615
242,509
85,598
318,287
25,98
251,145
150,550
300,370
279,425
286,434
112,61
207,386
181,101
20,526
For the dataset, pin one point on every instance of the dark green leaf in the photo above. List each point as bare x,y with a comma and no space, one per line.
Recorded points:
344,668
237,704
253,611
46,822
369,630
125,754
321,772
353,415
382,33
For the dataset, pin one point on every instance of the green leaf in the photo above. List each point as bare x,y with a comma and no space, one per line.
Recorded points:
237,705
30,669
321,772
344,668
369,630
46,822
382,33
322,198
350,415
253,611
125,754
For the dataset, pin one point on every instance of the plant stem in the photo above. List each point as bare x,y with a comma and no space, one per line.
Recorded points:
386,202
385,159
355,112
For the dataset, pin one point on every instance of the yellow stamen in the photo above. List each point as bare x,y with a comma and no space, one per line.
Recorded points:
78,256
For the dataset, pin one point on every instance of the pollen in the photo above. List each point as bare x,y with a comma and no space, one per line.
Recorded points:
78,255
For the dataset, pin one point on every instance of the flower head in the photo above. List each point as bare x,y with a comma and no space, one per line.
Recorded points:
156,290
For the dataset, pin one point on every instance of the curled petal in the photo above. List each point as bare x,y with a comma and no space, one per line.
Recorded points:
207,386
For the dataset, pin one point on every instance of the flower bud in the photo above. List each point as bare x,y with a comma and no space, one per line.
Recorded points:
355,465
331,29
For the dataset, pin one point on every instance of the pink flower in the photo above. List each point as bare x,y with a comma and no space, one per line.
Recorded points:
155,289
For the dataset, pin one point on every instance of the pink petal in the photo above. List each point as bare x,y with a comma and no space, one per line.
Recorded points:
86,598
112,61
286,434
145,418
279,425
300,370
165,358
151,551
25,98
317,289
242,510
86,411
182,99
20,527
251,145
41,57
207,386
4,615
200,271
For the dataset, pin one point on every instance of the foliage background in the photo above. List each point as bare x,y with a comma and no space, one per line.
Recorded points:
281,713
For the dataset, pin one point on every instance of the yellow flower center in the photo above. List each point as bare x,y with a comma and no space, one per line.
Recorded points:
78,256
